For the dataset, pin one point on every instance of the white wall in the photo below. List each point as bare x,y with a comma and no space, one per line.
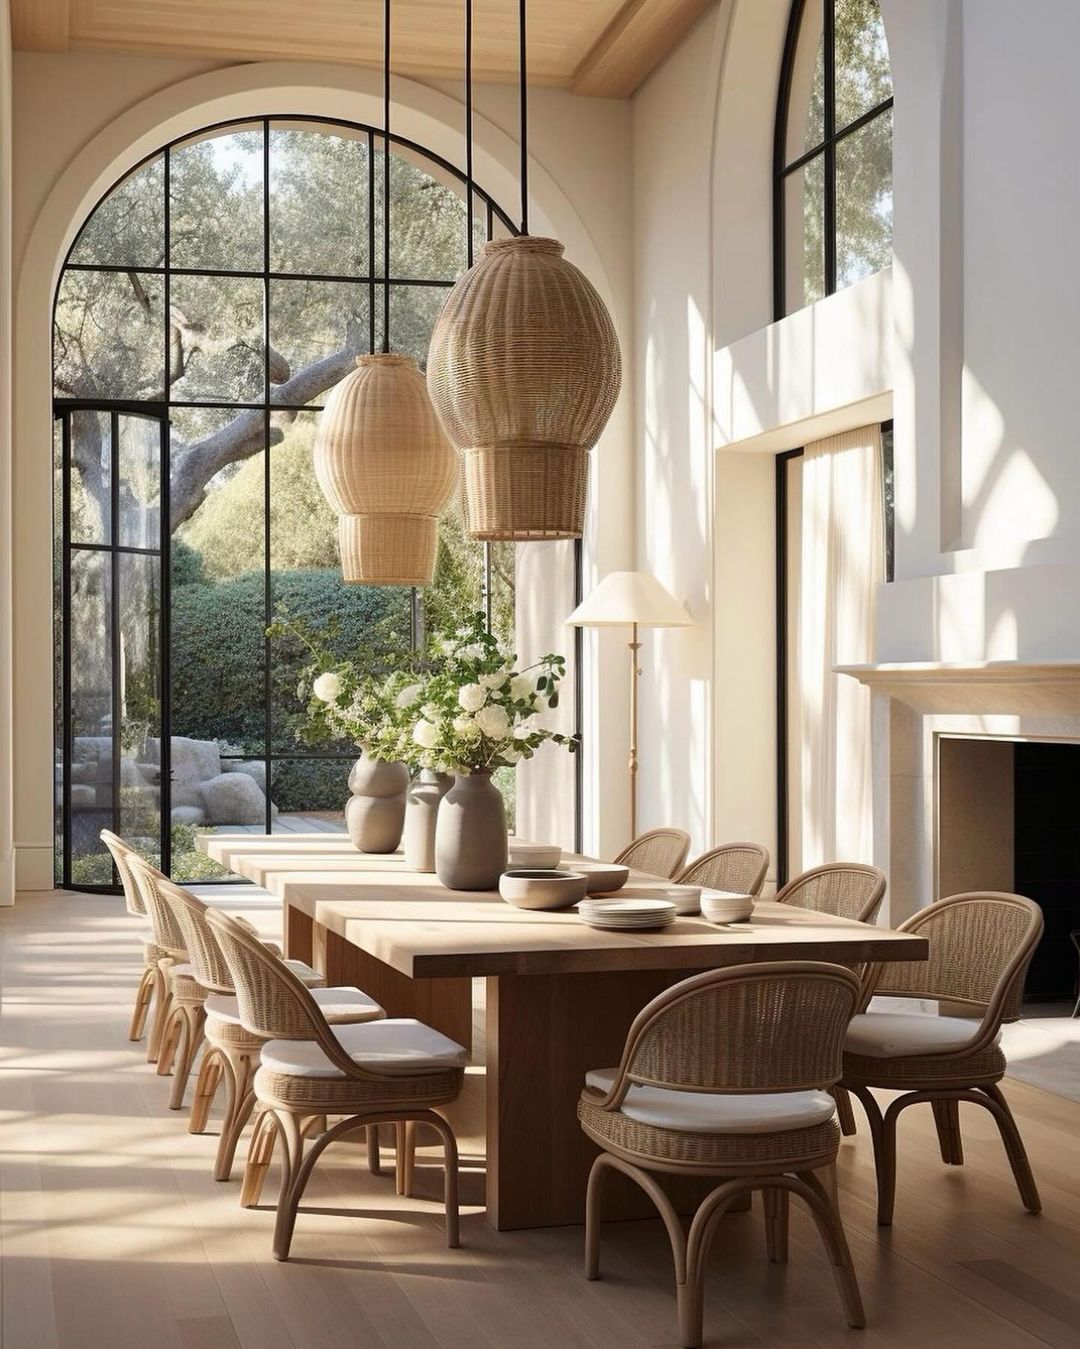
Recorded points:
116,109
7,784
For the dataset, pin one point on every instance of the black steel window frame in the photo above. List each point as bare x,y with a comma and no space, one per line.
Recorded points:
159,409
783,614
782,168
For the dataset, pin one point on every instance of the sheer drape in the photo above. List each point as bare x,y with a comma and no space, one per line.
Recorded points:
843,562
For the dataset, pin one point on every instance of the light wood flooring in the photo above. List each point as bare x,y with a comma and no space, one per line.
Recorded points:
115,1235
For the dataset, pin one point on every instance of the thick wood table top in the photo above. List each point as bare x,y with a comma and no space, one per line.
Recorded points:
412,923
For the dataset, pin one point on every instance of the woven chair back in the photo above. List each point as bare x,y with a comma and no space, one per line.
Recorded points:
846,889
120,855
773,1027
211,968
737,867
167,931
660,852
272,1000
981,944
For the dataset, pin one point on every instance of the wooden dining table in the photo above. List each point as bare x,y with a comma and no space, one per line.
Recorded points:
560,995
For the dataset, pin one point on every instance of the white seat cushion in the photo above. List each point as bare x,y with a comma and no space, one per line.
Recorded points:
397,1048
894,1035
345,1005
718,1112
309,977
182,971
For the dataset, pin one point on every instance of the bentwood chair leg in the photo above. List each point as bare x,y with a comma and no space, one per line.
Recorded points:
597,1175
884,1140
231,1130
143,997
1014,1149
191,1040
405,1156
374,1160
292,1172
169,1046
832,1233
159,1017
260,1155
776,1225
213,1067
947,1123
844,1111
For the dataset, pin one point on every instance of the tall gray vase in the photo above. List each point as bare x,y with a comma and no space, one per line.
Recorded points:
375,813
421,813
470,834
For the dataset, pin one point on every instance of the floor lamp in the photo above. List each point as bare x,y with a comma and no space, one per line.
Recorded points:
631,599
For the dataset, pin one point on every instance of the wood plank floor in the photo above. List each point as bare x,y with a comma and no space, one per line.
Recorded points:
115,1235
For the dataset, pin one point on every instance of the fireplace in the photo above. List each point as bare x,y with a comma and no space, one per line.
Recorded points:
1008,818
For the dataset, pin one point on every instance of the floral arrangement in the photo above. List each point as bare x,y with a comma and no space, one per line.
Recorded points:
462,709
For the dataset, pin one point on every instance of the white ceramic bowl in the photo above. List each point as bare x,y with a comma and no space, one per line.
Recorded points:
719,906
541,888
603,878
534,856
686,898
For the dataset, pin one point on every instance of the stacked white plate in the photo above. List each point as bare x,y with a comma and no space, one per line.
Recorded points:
627,915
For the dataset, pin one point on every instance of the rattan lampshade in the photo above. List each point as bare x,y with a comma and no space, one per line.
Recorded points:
387,469
524,370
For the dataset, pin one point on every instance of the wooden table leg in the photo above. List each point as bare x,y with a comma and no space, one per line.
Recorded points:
544,1032
298,934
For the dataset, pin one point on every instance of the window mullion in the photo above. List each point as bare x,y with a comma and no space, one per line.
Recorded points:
829,44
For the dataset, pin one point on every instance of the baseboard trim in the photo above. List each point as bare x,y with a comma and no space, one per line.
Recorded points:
33,866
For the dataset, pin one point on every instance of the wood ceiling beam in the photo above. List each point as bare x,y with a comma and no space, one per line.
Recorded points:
633,44
41,25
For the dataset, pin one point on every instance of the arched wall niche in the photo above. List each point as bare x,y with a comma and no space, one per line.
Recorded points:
427,116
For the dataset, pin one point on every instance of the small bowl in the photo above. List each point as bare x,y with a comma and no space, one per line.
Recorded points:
541,888
602,878
535,856
720,906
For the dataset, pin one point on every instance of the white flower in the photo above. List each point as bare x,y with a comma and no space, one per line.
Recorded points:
327,687
523,730
474,651
472,697
522,688
425,734
466,728
493,722
494,681
409,695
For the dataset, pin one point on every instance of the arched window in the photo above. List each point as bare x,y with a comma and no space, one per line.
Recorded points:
208,305
832,154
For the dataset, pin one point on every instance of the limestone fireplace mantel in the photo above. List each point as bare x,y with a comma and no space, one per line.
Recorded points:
1020,688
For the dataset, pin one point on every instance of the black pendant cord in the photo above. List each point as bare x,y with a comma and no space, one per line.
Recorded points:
468,136
524,81
386,176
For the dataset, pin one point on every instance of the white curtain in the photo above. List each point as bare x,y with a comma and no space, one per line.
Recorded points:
842,553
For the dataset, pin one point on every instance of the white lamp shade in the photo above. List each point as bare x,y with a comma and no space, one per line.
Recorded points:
625,597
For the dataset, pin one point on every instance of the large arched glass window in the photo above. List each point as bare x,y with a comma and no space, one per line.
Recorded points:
832,203
208,305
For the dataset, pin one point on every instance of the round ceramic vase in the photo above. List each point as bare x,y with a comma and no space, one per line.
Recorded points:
421,813
470,834
375,813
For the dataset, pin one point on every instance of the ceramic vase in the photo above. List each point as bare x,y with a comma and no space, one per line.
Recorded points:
421,813
375,813
470,834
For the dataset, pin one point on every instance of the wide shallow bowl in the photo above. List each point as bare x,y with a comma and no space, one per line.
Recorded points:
541,888
603,878
720,906
534,856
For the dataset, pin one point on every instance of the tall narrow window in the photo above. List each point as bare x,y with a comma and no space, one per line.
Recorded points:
209,304
832,152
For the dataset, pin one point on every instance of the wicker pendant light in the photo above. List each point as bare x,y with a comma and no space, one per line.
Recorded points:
387,469
524,370
381,457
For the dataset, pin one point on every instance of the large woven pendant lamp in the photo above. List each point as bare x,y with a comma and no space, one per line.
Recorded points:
524,370
381,458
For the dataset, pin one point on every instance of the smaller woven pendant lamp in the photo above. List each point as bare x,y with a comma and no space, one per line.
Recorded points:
387,470
524,370
381,457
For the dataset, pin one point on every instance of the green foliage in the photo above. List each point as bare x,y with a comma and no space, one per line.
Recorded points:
188,864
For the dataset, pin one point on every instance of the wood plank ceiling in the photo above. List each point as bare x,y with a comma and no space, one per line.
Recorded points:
603,48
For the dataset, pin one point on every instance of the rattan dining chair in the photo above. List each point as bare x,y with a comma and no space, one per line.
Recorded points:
980,947
739,868
388,1071
151,992
847,889
726,1075
660,852
232,1053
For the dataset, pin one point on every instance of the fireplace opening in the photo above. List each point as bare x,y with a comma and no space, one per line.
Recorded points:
1009,819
